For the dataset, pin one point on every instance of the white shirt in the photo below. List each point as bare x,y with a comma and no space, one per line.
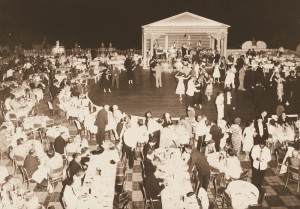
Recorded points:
130,137
201,128
70,198
191,88
153,126
220,100
264,155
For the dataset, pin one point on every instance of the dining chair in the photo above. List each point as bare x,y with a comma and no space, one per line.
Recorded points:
50,107
293,173
143,170
55,175
14,119
49,123
36,129
25,176
219,186
121,200
79,128
18,161
146,199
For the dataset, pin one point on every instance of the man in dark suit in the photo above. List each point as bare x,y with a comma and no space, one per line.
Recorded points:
101,122
54,89
31,163
229,105
261,129
152,63
258,94
149,167
75,165
217,135
154,187
199,160
150,144
60,143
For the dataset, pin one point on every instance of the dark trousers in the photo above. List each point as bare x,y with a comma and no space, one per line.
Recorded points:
130,154
198,98
190,101
157,204
100,135
257,177
201,142
204,180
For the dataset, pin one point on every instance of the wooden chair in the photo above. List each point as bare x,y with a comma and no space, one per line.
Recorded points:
14,119
121,200
55,175
25,176
2,151
18,162
79,128
49,123
291,172
36,129
143,169
219,187
120,179
146,199
50,107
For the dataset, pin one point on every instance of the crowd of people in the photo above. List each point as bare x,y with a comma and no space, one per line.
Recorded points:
199,140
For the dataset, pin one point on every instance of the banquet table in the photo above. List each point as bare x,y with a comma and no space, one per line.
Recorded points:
100,189
29,121
215,163
242,194
175,167
55,131
11,200
18,92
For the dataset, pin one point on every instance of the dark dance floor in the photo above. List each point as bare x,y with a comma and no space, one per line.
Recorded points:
136,99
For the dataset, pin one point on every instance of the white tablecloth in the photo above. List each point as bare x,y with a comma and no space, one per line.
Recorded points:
242,194
102,187
55,131
215,163
28,122
174,195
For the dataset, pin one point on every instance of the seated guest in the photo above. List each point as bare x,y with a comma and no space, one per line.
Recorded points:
55,160
294,160
99,150
71,195
37,145
166,120
34,169
60,143
149,167
71,148
85,157
20,150
233,165
283,118
54,89
4,143
75,164
11,184
149,145
154,187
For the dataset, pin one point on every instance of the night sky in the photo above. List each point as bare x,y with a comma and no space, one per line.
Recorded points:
90,22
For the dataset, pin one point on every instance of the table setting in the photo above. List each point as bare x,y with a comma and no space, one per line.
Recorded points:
178,191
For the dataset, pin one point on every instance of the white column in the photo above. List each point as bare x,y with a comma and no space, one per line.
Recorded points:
151,45
225,45
166,42
144,49
218,42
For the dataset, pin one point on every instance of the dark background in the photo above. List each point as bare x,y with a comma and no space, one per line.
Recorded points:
90,22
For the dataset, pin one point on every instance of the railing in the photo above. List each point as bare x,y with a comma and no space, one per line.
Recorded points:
48,52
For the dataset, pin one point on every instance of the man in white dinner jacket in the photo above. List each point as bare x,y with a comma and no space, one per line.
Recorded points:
261,155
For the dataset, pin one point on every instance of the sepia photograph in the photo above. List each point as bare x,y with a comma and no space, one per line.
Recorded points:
148,104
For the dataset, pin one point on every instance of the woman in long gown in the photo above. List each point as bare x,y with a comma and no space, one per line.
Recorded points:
248,140
280,87
180,89
236,136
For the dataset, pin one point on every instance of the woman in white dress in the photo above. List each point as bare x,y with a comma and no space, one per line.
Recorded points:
248,140
280,91
216,73
209,87
180,89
